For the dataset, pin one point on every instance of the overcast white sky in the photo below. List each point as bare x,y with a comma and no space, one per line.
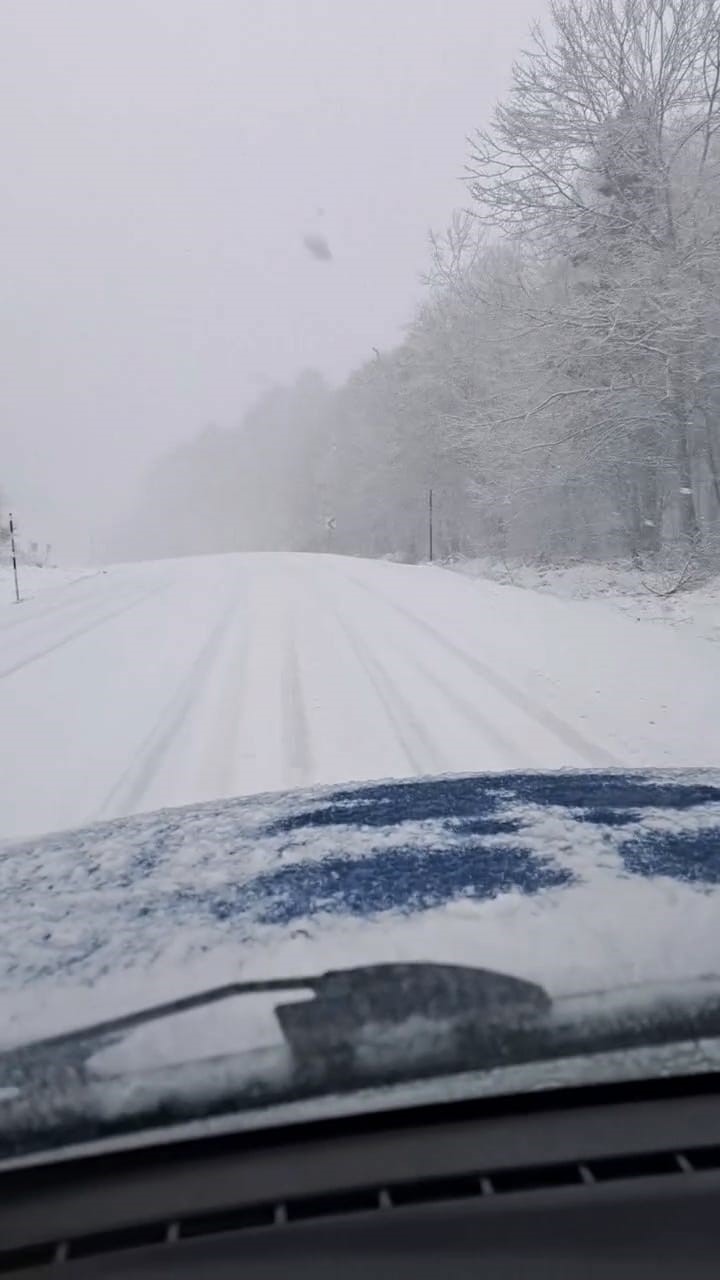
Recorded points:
161,162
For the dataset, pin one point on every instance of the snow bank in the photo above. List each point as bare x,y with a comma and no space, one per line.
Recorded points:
637,593
35,580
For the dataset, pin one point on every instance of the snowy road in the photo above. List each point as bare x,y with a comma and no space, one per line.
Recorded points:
159,684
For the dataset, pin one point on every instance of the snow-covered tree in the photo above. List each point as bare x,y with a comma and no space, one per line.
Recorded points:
606,157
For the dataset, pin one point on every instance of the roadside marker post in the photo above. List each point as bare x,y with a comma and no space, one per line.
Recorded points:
14,559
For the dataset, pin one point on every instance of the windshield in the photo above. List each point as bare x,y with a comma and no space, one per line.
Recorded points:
359,532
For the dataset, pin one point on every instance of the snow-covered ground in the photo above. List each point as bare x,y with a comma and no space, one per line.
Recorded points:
668,596
34,580
177,681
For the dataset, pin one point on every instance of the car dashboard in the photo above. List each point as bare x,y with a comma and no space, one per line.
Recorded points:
604,1181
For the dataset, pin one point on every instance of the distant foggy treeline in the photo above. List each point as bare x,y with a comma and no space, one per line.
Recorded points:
559,388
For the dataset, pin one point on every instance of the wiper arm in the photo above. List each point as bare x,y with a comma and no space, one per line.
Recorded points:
71,1049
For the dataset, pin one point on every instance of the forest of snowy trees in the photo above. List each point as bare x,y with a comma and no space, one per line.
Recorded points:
559,387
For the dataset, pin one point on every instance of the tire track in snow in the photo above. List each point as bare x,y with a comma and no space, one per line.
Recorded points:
79,632
295,727
220,763
70,616
541,715
50,607
133,784
416,744
465,709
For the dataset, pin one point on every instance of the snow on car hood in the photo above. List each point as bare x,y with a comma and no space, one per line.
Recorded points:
578,880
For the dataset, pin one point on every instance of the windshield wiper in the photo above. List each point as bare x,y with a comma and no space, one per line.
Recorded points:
373,1025
345,1001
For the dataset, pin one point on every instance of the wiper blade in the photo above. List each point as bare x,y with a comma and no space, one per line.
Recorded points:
371,1026
431,1013
345,1000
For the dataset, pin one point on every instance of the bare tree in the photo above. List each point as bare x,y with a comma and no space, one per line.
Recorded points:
613,102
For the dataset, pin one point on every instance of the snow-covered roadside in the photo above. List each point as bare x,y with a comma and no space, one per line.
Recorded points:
35,580
643,595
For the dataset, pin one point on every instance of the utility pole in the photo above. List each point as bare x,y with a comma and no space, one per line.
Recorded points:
14,559
430,524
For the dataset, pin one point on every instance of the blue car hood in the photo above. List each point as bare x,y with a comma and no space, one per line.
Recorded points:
578,880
